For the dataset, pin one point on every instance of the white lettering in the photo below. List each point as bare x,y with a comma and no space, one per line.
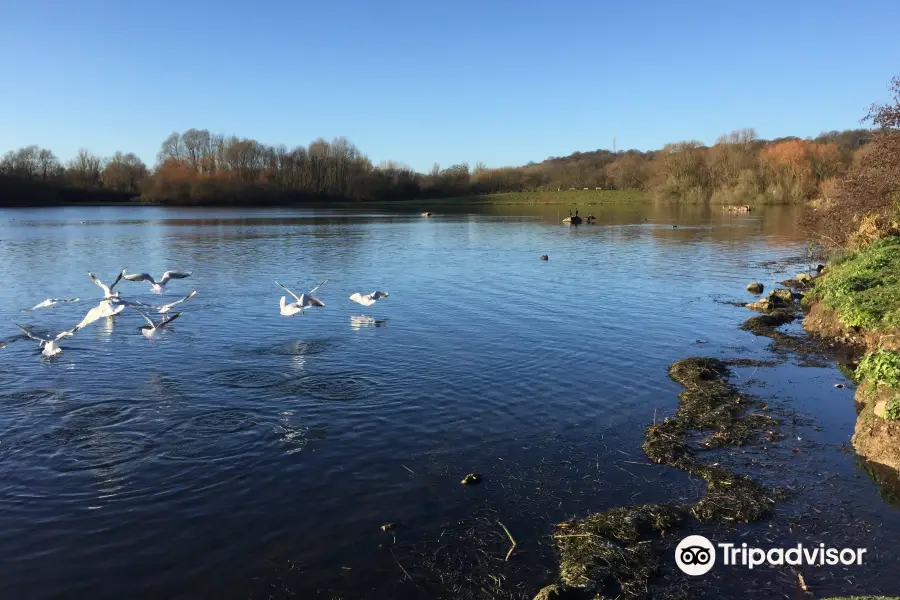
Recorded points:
810,558
725,547
775,556
848,556
757,557
859,553
832,556
793,552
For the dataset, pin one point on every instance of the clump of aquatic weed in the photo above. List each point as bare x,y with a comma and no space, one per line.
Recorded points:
614,552
767,325
710,402
608,551
763,324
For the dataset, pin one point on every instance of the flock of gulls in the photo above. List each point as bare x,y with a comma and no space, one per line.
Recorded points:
113,304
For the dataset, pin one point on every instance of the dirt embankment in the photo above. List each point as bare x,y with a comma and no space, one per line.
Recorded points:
856,302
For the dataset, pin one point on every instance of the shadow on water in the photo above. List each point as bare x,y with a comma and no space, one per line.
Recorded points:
887,479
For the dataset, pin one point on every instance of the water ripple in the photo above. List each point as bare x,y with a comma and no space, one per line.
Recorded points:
332,387
245,378
216,434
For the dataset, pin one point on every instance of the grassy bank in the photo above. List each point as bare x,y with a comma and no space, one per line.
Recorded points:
857,302
578,198
566,197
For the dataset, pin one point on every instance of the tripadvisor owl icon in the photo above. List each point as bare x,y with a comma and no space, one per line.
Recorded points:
695,555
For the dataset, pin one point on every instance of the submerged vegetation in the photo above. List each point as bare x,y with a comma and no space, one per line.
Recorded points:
618,550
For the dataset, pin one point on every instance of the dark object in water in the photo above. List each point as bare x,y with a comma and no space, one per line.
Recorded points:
471,479
388,526
674,226
755,287
572,219
544,257
839,385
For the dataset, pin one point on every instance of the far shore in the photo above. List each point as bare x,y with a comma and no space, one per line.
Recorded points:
570,198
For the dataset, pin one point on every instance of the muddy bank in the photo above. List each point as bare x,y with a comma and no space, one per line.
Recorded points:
856,303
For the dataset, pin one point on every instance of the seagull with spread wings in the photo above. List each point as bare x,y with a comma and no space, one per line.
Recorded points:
51,302
302,302
368,299
49,344
108,289
158,286
152,329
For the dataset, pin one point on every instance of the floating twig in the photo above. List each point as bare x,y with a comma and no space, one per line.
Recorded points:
511,539
399,565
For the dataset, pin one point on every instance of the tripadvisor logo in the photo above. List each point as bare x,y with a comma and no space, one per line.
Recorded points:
696,555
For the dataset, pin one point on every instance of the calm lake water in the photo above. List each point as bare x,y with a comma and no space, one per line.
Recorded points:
251,455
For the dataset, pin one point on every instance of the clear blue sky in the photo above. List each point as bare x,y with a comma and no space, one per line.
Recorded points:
502,82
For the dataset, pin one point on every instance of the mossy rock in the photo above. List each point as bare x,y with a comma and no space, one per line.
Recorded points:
755,287
782,295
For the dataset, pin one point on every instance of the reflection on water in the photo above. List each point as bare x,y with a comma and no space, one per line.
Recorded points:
360,321
247,436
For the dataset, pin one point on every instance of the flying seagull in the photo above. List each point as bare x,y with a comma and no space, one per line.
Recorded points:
165,307
158,285
109,307
49,345
50,302
151,330
368,299
107,289
303,301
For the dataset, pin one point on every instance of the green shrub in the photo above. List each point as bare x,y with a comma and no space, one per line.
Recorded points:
880,367
892,410
864,288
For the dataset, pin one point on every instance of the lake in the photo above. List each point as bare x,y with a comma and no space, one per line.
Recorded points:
246,454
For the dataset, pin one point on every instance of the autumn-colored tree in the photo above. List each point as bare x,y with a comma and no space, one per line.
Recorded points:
124,173
866,203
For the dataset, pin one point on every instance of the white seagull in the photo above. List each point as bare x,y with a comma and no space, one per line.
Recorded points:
167,307
109,307
107,289
303,301
368,299
158,285
151,330
49,345
50,302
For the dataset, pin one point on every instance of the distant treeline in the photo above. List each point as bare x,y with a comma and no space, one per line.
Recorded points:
199,167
